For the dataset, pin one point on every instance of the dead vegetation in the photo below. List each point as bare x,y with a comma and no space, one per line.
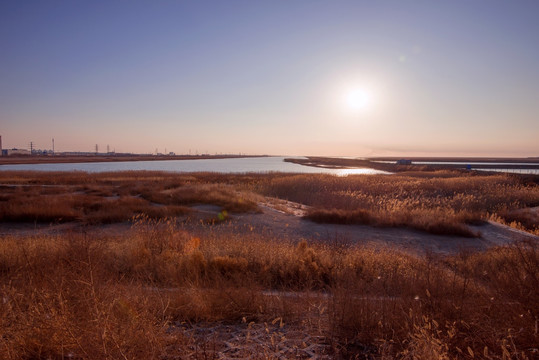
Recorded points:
84,296
89,296
110,198
441,202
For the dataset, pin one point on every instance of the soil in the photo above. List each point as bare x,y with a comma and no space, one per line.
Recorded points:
283,220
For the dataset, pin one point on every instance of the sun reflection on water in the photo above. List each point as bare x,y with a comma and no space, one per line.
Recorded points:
362,171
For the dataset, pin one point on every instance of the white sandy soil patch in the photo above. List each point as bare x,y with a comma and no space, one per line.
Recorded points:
280,219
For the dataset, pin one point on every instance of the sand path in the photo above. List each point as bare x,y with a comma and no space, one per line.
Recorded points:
283,220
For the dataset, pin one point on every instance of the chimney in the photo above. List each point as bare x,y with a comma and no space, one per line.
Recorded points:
1,152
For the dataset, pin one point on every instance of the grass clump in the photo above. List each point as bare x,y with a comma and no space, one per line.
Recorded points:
91,296
440,203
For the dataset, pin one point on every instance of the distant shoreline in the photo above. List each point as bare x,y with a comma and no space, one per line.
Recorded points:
53,159
534,160
440,163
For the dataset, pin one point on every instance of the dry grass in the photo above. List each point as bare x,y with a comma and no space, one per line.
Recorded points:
111,197
95,297
223,195
440,203
522,219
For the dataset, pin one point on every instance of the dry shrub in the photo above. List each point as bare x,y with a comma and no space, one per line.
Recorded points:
522,219
336,216
115,210
222,195
37,205
126,207
39,209
437,204
420,220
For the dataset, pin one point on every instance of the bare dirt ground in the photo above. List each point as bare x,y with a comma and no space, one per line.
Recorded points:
281,219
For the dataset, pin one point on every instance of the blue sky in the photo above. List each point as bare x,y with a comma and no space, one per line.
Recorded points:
272,77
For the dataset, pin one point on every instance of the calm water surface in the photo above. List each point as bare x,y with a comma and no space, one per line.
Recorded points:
239,165
464,163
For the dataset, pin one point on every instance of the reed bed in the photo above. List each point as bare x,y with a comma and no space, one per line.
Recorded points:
440,202
86,296
111,197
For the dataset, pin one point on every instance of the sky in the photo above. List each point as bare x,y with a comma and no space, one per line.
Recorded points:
334,78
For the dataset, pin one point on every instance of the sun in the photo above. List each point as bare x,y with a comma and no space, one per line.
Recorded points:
356,99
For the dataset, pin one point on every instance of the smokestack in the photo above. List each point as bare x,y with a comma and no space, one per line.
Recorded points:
1,152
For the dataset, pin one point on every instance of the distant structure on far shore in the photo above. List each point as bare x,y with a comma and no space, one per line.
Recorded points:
8,152
15,151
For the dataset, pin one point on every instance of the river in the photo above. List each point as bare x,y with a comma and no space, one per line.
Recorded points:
232,165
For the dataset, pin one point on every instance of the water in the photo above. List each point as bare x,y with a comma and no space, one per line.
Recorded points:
235,165
512,167
459,163
513,171
470,163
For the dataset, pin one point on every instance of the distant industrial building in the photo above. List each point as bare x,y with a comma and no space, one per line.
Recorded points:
404,162
9,152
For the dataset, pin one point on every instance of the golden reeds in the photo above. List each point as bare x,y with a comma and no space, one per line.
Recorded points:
95,297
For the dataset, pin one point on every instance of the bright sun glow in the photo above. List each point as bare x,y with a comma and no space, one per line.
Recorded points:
357,99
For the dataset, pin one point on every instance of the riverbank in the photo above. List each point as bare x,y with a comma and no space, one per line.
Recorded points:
419,164
51,159
460,159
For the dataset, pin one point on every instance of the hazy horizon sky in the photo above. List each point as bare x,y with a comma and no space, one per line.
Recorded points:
338,78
